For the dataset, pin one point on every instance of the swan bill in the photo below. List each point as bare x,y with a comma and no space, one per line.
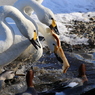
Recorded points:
53,27
35,40
61,58
35,43
59,53
35,35
58,58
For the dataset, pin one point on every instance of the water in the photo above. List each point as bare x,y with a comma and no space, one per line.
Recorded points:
90,58
48,72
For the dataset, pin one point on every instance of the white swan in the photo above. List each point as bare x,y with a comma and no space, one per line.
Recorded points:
44,14
54,44
6,36
50,37
20,43
29,10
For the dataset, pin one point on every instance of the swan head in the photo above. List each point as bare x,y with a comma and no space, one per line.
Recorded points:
35,40
54,44
53,26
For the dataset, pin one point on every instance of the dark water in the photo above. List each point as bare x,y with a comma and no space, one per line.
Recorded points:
51,71
48,73
54,70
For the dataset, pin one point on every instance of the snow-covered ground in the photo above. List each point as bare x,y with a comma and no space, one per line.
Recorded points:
65,11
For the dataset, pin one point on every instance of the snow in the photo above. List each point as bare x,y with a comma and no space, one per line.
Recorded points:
67,10
72,84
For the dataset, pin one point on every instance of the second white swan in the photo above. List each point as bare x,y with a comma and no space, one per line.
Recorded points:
18,44
51,38
44,14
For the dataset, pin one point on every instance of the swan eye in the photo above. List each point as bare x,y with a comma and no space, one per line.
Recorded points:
53,44
35,35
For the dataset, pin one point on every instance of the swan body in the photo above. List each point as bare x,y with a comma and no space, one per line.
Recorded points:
44,14
51,38
53,42
20,43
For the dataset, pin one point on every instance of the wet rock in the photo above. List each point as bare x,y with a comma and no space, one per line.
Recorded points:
91,43
92,18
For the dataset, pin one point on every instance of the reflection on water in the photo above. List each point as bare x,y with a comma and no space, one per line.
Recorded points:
87,57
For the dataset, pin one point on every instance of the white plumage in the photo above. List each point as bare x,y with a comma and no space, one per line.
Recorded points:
19,43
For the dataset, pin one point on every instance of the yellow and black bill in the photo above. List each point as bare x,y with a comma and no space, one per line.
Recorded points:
59,53
61,58
58,58
35,41
53,27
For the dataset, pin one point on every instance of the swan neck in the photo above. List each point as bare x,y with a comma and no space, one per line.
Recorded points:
23,24
21,4
9,11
